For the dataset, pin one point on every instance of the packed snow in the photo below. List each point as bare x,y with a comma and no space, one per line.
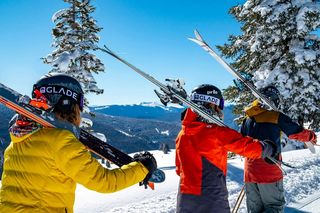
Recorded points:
302,186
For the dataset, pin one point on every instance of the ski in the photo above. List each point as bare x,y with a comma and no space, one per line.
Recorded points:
311,147
174,95
199,40
166,89
20,104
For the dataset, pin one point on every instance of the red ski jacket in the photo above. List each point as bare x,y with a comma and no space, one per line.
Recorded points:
201,163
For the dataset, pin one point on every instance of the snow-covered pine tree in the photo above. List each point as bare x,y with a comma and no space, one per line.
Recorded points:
75,36
280,46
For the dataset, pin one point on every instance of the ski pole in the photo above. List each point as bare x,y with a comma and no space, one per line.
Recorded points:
239,200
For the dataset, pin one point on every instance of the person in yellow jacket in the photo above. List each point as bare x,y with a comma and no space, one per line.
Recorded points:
43,165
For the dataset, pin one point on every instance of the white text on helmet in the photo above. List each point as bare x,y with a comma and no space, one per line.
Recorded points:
205,98
212,92
60,90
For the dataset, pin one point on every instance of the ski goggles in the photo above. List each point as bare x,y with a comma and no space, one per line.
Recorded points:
208,99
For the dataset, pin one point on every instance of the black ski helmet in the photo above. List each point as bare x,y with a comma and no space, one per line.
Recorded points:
272,93
207,93
60,90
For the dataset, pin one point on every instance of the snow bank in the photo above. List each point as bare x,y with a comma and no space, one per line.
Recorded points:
300,183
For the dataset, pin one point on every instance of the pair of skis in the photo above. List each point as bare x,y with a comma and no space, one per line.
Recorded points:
21,104
199,40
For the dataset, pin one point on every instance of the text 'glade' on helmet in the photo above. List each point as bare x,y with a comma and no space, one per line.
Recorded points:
209,98
206,93
59,89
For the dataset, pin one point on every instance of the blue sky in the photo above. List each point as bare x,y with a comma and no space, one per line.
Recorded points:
152,35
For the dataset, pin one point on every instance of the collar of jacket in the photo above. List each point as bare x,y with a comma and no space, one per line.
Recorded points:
191,125
16,139
19,133
254,109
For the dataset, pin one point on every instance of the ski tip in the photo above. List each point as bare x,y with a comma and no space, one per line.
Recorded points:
193,39
197,34
105,49
311,147
196,41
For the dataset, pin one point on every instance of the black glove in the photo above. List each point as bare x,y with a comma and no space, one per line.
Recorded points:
269,149
149,162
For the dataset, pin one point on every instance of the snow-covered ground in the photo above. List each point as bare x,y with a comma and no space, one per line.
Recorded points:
302,188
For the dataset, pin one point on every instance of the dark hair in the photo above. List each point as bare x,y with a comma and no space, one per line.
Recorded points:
72,114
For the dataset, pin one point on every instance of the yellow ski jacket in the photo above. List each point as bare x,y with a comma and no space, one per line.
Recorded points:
41,171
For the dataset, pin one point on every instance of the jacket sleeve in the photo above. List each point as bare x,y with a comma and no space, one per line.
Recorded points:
73,159
304,136
288,126
294,130
235,142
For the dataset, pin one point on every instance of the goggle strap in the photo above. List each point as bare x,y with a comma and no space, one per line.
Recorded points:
208,99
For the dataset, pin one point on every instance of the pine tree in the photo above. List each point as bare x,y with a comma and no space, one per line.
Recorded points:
75,36
279,47
240,99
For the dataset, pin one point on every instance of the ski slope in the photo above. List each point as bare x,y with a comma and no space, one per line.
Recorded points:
302,188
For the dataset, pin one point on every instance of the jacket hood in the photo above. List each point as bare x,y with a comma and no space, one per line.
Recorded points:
254,109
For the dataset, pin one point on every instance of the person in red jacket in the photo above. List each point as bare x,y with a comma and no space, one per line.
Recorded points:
201,155
264,190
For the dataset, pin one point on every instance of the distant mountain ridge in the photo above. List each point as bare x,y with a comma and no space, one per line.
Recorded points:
156,111
144,110
130,128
